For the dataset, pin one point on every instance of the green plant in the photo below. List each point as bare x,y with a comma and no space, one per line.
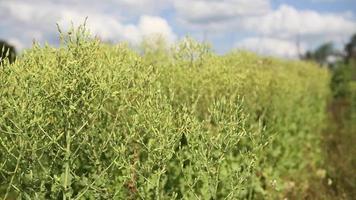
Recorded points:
340,82
90,121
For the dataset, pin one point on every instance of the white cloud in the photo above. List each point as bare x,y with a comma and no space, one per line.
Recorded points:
28,20
15,42
288,22
271,47
221,21
207,12
280,30
149,25
104,26
143,6
257,18
109,28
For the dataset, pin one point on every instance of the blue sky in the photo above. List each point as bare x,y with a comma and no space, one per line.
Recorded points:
283,28
320,5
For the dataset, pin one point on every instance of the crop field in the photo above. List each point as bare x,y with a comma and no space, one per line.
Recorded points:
89,120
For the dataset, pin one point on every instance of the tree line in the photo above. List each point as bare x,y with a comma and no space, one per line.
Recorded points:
324,53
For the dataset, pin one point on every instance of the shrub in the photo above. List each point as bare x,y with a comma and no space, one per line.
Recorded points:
7,53
92,121
340,82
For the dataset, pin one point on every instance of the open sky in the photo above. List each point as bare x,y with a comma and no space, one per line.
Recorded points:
270,27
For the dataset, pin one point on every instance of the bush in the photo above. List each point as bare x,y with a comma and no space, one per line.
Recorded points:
92,121
340,82
7,53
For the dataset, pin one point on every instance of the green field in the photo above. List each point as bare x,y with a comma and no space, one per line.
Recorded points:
94,121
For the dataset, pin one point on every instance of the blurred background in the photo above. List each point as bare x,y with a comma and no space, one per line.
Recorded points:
283,28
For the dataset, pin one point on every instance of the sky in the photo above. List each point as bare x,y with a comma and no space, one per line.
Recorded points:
282,28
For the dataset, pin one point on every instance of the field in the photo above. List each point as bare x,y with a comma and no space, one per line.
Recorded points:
94,121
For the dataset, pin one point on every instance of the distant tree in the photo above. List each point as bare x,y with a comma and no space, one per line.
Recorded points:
350,48
309,55
7,51
323,51
325,55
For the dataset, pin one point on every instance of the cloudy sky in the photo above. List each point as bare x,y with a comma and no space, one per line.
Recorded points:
270,27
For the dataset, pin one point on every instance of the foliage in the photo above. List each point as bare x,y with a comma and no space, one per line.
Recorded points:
320,54
7,53
339,144
340,82
91,121
350,48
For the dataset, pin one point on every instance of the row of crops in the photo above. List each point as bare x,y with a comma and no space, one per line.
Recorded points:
93,121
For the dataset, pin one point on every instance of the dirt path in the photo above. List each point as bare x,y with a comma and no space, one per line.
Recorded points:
339,151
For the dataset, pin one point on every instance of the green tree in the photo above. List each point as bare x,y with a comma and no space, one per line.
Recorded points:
350,48
322,52
7,51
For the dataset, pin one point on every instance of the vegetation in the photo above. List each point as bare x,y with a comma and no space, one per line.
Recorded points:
7,52
350,49
321,54
339,142
336,177
92,121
